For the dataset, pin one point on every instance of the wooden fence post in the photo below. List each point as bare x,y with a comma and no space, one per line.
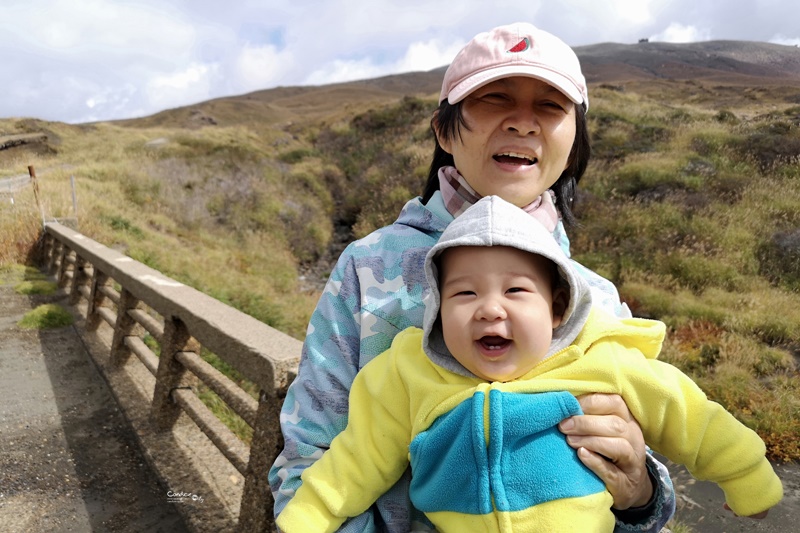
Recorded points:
32,173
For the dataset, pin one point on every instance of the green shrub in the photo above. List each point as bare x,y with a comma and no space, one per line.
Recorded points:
295,156
779,259
710,143
36,287
408,112
122,224
46,316
141,190
14,273
726,117
699,272
615,136
769,149
655,181
371,160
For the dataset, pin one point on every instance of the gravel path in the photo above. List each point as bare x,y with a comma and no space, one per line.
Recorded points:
68,459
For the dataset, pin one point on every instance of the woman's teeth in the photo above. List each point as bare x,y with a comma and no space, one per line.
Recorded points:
514,158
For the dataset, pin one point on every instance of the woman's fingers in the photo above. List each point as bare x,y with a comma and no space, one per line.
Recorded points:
610,444
604,404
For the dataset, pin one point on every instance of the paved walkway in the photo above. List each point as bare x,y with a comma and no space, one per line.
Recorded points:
68,459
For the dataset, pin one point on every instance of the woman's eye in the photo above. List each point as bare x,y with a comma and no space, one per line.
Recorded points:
495,97
554,105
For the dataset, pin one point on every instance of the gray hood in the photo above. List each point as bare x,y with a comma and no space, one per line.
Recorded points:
494,222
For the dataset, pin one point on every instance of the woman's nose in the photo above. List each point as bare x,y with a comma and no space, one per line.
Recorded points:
523,121
490,309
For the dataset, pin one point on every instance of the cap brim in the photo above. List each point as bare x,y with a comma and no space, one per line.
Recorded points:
479,79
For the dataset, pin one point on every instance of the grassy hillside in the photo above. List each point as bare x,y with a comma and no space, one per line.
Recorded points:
691,205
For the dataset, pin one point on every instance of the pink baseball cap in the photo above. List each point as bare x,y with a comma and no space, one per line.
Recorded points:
519,49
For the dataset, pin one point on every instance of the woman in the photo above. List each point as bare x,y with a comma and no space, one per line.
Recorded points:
511,122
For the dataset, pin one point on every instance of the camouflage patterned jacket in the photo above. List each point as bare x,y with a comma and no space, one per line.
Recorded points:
376,291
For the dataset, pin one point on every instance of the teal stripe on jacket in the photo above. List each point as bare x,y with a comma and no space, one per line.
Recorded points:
527,462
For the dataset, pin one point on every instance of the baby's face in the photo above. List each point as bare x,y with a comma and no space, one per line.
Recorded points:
497,309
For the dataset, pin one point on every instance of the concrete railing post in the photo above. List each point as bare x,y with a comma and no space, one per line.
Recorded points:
171,373
125,327
55,252
96,299
46,251
255,512
79,278
62,264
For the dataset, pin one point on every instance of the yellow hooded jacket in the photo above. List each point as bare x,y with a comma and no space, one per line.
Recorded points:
401,395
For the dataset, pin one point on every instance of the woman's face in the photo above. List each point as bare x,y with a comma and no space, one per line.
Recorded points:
519,135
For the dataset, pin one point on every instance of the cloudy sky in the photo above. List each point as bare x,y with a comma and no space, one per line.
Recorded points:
85,60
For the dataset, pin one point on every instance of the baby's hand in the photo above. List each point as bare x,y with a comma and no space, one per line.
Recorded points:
758,516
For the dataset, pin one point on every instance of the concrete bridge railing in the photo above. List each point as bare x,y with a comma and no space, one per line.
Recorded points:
135,300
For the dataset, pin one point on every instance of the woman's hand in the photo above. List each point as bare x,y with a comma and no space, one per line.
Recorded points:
610,443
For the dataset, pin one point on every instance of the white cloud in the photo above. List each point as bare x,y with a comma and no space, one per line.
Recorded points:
258,67
613,12
788,41
106,29
345,70
77,60
192,84
678,33
428,55
419,56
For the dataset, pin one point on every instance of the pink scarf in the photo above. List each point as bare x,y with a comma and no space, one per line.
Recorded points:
458,196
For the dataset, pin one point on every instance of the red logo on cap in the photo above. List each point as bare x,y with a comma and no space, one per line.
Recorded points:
521,46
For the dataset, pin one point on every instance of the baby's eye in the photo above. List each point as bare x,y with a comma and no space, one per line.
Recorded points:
516,289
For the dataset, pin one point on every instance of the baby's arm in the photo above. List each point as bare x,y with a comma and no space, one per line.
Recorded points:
363,461
680,422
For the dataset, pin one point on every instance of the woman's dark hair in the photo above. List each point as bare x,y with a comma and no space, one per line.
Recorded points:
449,119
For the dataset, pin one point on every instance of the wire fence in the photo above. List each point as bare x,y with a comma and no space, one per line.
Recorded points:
9,186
